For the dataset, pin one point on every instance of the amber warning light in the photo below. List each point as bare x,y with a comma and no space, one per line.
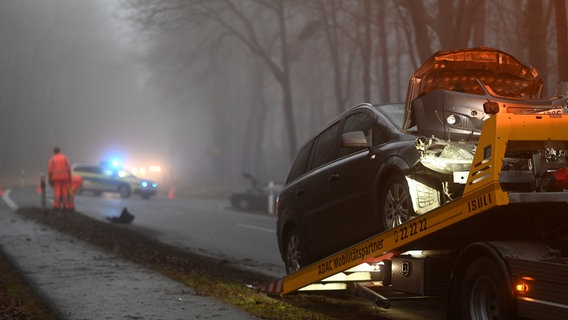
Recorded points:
521,288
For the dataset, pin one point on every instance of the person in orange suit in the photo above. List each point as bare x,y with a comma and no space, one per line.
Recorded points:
59,174
76,181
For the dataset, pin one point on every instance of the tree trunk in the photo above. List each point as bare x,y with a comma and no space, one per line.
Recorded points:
287,102
535,23
479,26
561,40
421,38
384,70
366,49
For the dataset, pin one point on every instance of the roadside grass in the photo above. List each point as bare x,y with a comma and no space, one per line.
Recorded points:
18,301
207,276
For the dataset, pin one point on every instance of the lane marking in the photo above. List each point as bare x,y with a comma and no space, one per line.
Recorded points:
6,197
256,228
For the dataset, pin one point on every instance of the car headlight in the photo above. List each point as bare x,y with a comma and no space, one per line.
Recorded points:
452,120
144,184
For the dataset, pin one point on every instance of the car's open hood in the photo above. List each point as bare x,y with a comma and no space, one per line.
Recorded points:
465,70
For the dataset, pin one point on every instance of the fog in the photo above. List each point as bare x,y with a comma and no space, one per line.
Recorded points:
75,75
209,89
71,78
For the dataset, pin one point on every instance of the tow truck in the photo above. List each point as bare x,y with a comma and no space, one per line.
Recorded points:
497,251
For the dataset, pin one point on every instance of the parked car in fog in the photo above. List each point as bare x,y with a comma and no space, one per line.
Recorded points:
107,178
257,196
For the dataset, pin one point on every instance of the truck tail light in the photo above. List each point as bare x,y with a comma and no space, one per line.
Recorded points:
561,178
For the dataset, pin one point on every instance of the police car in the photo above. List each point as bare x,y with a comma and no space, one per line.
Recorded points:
108,178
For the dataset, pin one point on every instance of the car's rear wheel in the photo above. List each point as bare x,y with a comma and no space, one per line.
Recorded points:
294,251
124,191
395,202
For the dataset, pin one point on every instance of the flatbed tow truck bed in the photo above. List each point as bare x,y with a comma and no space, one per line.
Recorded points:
508,249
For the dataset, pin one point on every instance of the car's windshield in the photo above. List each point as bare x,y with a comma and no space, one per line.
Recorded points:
117,172
394,112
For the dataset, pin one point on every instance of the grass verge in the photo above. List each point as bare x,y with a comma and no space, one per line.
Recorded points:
208,276
18,301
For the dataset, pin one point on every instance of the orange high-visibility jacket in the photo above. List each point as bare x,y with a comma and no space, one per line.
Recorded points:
76,181
59,168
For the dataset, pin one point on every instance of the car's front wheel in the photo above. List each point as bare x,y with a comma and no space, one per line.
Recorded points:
395,202
295,254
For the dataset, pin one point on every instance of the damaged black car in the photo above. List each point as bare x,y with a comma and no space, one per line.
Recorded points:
374,167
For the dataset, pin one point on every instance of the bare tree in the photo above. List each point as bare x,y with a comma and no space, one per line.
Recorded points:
479,26
420,24
329,15
447,22
366,47
535,22
383,53
561,39
237,21
320,58
455,22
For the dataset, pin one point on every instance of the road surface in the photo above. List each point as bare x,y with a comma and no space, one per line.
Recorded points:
211,227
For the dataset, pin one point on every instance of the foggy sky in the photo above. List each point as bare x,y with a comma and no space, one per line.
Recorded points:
71,79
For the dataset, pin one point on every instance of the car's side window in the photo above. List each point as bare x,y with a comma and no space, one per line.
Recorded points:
361,121
86,169
301,163
326,145
380,131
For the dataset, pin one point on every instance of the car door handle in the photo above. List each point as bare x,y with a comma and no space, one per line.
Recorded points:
300,191
334,177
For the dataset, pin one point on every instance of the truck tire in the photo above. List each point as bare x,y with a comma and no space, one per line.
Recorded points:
395,203
485,293
294,251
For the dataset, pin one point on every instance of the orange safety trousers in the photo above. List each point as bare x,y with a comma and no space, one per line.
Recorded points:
60,194
75,184
59,172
